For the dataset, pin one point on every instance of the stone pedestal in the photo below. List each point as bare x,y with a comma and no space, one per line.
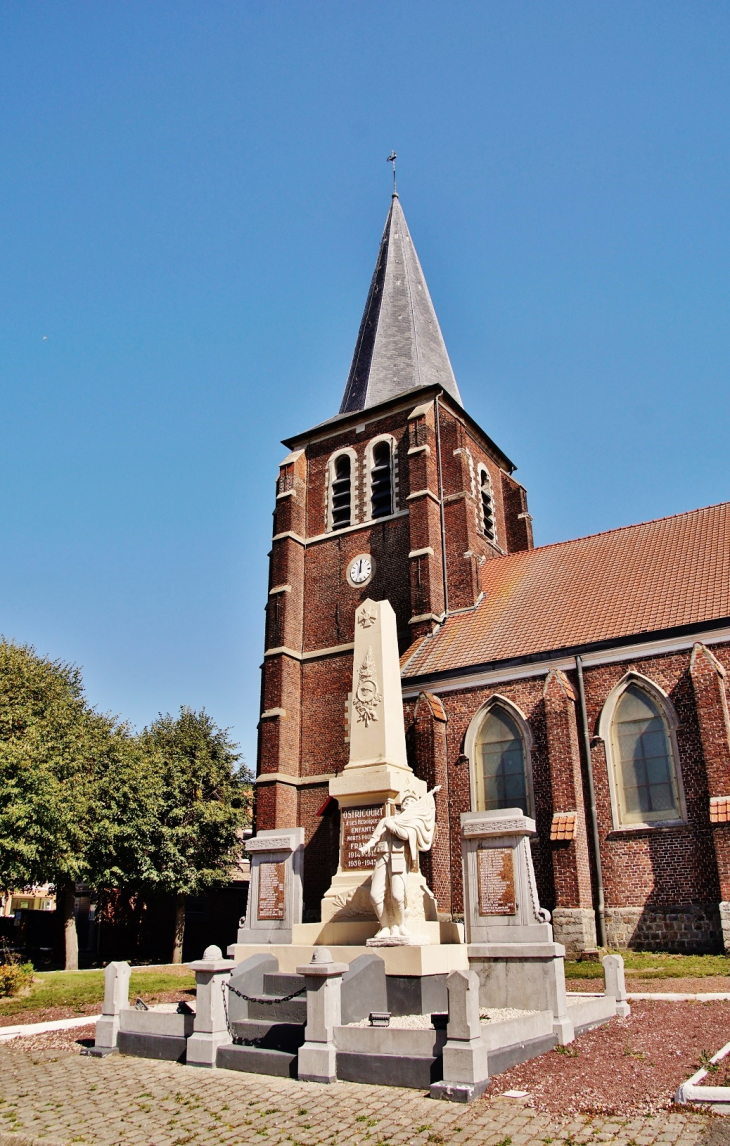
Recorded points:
275,891
210,1029
465,1063
318,1055
116,997
510,939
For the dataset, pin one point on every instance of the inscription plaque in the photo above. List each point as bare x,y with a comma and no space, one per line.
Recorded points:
496,879
358,824
272,879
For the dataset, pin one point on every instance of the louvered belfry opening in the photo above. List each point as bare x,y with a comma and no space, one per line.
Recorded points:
487,506
342,493
381,481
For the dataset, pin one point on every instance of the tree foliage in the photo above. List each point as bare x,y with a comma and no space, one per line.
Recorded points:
83,798
203,802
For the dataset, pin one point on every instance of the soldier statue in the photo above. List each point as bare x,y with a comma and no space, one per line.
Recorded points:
396,842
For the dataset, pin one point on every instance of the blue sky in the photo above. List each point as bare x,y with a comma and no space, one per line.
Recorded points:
191,200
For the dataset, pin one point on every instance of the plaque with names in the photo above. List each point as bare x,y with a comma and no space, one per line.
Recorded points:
358,824
272,886
496,879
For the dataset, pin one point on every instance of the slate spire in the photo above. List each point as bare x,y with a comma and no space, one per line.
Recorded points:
400,345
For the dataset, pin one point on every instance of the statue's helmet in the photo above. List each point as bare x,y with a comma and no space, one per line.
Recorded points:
407,797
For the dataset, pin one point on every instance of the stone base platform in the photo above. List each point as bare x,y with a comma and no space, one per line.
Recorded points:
402,962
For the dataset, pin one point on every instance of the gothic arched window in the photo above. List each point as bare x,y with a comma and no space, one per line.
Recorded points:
485,489
381,480
643,752
342,492
501,770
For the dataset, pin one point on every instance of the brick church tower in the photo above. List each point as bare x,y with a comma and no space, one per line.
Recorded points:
401,495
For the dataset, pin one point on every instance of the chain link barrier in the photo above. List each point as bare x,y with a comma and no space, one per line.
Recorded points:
267,1000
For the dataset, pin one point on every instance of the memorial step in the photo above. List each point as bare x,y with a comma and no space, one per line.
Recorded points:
275,985
268,1035
279,983
257,1060
295,1011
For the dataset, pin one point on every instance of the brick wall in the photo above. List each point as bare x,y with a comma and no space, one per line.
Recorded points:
662,885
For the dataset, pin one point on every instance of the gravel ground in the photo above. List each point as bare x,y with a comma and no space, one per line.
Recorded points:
423,1022
629,1066
687,986
72,1040
48,1014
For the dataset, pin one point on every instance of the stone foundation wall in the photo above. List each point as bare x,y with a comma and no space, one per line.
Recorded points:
575,928
685,928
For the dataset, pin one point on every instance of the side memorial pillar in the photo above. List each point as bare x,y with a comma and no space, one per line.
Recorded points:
275,890
510,939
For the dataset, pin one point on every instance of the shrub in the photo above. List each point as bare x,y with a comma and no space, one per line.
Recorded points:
14,977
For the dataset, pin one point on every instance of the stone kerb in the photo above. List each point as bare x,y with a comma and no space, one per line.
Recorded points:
275,895
317,1060
615,983
116,997
465,1056
210,1029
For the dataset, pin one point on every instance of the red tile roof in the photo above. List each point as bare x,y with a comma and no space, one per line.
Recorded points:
639,579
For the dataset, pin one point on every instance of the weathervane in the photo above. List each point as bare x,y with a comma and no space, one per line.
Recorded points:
391,159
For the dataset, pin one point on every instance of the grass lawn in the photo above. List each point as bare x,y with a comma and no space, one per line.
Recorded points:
656,966
82,988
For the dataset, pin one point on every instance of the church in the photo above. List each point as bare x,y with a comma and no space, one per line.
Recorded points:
584,682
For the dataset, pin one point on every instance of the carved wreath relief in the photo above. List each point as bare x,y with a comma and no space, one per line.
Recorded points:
367,697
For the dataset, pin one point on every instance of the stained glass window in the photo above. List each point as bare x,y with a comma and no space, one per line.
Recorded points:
645,771
501,766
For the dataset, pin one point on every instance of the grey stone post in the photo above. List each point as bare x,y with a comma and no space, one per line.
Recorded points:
615,983
210,1029
318,1055
466,1067
116,996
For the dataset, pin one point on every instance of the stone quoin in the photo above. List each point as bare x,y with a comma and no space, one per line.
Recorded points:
583,682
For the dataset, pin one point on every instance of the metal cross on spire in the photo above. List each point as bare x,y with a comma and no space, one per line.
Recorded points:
391,159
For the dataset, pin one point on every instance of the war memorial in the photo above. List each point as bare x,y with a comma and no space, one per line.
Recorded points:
380,990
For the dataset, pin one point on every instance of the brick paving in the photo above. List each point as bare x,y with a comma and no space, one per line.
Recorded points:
58,1098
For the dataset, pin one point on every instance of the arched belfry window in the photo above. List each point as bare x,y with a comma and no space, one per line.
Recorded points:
381,480
485,489
498,745
638,728
342,492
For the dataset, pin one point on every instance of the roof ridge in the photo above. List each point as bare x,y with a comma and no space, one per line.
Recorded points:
617,529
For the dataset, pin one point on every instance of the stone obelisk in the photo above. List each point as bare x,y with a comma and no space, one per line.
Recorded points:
377,774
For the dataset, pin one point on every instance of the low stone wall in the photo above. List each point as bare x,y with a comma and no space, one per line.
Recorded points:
684,928
575,928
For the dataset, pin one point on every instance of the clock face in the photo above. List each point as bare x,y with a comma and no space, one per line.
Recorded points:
360,570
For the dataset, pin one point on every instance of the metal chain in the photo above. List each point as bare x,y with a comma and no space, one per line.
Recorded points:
267,999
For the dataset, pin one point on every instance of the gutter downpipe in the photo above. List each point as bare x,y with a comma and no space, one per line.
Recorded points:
600,905
441,508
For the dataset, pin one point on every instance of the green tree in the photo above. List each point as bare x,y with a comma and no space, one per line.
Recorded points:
48,738
204,802
78,795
